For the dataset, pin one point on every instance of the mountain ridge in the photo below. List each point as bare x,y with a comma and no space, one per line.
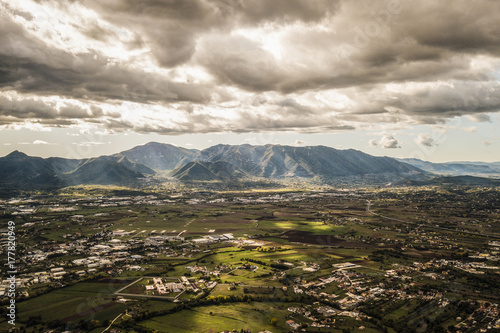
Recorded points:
19,170
278,161
455,168
208,171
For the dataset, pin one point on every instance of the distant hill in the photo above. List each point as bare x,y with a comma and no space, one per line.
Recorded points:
456,168
207,171
18,170
160,156
452,180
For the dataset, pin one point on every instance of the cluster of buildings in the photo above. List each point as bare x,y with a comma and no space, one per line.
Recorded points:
30,279
177,286
397,284
213,239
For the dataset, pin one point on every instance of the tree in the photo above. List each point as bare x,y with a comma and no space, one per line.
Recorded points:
274,321
34,320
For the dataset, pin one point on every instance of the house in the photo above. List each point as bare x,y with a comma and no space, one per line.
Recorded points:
292,324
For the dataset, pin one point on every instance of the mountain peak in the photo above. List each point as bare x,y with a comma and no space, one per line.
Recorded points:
154,143
17,154
160,156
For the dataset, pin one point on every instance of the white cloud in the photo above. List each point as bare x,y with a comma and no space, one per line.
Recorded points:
425,139
389,142
470,129
90,143
373,143
40,142
486,142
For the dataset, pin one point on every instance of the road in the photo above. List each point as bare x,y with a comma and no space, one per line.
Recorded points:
368,209
107,328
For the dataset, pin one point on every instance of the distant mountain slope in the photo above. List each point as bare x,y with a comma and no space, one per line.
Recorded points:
276,161
219,170
122,159
63,165
160,156
20,170
456,168
104,171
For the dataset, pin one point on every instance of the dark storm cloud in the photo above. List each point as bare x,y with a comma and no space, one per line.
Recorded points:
291,106
15,109
27,108
28,65
455,25
73,111
240,61
93,79
172,27
98,32
390,58
430,103
197,123
202,15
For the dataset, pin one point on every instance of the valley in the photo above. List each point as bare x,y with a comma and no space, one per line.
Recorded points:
420,259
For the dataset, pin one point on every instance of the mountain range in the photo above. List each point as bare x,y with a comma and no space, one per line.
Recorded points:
18,170
216,163
456,168
267,161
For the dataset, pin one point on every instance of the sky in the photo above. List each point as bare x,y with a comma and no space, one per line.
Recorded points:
390,77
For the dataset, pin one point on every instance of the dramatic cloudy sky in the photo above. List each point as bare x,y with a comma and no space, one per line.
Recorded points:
391,77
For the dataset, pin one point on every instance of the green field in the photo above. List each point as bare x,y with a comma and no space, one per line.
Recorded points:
253,316
83,301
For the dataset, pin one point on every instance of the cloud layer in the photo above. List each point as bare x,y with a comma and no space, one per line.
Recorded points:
199,66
